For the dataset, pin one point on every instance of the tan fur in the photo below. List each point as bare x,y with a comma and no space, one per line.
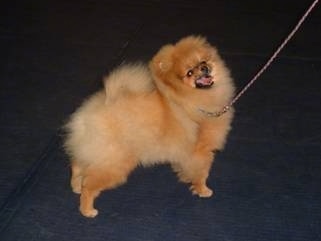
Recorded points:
148,115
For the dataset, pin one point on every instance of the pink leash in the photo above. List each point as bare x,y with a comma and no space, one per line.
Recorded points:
268,63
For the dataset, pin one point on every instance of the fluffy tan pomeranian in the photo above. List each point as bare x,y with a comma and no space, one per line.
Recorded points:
150,114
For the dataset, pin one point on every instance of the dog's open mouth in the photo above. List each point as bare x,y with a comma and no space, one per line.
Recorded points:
204,82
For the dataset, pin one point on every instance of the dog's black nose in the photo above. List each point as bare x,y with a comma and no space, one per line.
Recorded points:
205,70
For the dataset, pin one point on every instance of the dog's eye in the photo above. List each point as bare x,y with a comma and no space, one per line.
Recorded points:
189,73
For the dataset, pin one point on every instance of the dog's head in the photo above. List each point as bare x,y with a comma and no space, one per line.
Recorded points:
191,62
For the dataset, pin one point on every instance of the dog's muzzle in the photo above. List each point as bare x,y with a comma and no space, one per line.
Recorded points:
204,82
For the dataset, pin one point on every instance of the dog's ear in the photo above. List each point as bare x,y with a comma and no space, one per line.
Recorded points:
163,60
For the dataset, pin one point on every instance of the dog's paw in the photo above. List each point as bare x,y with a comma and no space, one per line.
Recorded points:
76,185
91,213
76,190
201,191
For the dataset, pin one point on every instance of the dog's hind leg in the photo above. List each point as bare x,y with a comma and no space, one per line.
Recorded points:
76,177
99,177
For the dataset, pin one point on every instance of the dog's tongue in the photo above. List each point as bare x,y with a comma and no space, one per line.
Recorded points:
204,81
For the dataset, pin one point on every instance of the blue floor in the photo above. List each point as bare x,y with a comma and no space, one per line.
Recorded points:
268,178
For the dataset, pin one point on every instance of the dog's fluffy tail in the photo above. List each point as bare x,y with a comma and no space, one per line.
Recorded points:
128,79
